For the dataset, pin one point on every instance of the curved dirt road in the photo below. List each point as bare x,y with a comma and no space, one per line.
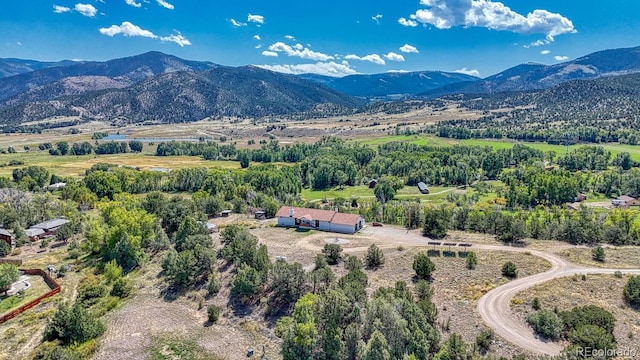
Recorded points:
495,306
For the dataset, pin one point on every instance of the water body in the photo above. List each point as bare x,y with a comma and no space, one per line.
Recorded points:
120,137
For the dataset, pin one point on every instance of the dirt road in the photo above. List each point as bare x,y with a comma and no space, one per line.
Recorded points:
495,306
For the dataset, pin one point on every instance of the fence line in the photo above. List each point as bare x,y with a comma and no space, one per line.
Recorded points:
53,285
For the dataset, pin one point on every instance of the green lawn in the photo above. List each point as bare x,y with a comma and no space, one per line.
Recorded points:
38,287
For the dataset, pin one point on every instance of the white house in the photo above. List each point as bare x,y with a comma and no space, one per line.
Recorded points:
325,220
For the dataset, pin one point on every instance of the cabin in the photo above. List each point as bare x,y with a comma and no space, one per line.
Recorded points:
580,197
260,215
316,219
623,200
225,213
423,188
34,234
372,183
6,236
50,227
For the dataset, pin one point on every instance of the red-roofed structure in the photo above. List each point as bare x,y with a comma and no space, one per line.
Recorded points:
325,220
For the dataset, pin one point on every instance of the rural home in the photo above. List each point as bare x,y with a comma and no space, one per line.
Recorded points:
325,220
6,236
623,200
423,188
50,227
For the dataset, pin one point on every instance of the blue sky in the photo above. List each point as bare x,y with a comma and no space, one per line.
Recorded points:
480,37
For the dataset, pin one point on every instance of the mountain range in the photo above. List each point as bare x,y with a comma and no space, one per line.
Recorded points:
158,87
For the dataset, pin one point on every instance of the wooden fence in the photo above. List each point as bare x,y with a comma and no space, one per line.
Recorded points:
53,285
17,262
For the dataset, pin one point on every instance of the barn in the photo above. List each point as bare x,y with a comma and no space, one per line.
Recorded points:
316,219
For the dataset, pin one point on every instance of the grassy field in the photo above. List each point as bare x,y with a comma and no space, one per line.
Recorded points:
615,148
71,165
362,191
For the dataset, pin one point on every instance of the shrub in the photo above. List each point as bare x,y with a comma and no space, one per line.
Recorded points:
472,260
352,262
509,270
632,291
546,323
214,284
483,340
423,290
62,270
333,253
121,288
213,313
597,253
423,266
73,325
592,336
5,249
618,274
588,315
535,304
374,257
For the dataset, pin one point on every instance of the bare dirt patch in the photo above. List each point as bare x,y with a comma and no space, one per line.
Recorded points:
623,257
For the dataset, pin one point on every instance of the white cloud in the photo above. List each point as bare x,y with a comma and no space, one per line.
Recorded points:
257,37
290,37
60,9
377,18
373,58
444,14
130,30
299,51
86,9
270,53
177,38
472,72
133,3
409,23
237,23
127,29
406,48
538,43
561,58
545,52
255,18
322,68
394,57
165,4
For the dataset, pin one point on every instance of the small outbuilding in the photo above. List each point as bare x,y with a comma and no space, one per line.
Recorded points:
260,215
225,213
34,234
372,183
6,236
423,188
